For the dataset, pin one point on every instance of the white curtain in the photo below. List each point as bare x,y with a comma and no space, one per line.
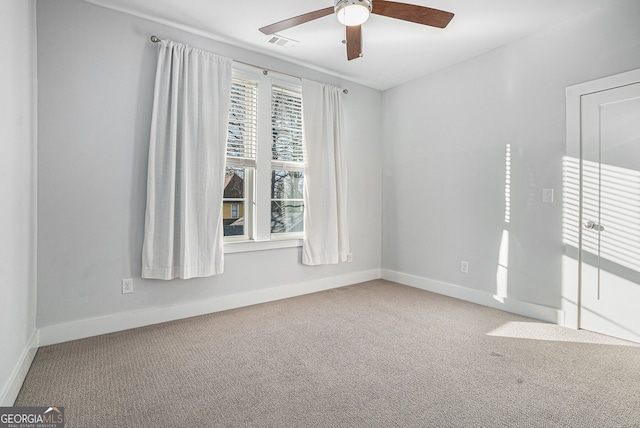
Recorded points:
326,239
183,236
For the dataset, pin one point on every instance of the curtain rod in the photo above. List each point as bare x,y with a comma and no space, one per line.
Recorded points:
265,71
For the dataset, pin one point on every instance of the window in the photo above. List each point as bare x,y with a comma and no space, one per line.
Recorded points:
264,179
241,158
287,164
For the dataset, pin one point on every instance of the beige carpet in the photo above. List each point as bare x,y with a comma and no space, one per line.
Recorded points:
376,354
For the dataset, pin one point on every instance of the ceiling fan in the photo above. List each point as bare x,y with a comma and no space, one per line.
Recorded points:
353,13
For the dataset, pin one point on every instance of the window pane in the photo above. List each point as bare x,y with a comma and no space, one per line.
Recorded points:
287,201
243,121
286,125
233,202
287,184
287,216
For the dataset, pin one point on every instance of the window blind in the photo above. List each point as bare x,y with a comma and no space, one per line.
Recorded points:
286,123
243,119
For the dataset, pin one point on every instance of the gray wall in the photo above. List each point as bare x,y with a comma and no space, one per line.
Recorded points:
97,69
443,181
17,193
445,156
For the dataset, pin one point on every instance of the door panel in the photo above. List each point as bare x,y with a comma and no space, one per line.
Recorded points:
610,280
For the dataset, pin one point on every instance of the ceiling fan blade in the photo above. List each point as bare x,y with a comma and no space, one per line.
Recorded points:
410,12
296,20
354,41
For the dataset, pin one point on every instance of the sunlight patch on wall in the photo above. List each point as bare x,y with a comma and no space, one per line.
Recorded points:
507,185
502,278
502,273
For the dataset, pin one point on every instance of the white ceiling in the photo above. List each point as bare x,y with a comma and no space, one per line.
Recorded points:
394,51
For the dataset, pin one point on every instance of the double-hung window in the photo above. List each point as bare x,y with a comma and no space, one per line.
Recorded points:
241,159
264,180
287,161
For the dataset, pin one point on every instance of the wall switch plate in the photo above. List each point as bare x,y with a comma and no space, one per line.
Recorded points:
464,266
127,286
547,196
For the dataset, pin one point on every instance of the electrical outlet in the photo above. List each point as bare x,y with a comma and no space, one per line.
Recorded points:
127,286
464,266
547,196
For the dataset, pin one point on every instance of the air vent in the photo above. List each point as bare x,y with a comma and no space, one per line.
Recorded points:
277,40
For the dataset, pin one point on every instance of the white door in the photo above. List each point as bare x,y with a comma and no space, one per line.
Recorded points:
610,250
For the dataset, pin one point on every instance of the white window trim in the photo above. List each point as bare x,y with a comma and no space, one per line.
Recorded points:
231,247
259,200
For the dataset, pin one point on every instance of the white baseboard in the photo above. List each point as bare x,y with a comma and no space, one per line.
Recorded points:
126,320
531,310
11,388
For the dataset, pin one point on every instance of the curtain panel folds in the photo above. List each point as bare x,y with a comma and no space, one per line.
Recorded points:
183,224
326,236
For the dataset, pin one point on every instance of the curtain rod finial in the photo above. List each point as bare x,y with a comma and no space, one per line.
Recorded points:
155,39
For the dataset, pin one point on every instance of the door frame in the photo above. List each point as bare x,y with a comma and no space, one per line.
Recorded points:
572,274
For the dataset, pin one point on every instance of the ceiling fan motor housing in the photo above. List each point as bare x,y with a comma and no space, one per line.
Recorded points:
343,3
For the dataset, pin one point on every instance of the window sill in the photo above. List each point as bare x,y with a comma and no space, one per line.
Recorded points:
245,246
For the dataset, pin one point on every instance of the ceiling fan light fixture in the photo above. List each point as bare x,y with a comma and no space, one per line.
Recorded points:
353,12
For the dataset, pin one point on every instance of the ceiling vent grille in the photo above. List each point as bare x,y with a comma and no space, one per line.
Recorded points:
284,42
